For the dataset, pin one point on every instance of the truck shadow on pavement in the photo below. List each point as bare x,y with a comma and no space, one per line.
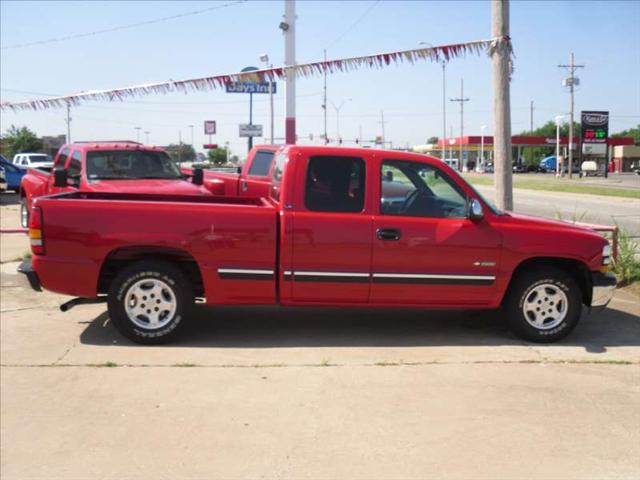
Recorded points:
273,327
7,198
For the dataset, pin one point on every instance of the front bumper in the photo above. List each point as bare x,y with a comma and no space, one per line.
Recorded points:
604,284
27,269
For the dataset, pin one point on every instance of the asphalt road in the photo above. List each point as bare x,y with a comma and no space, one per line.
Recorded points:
625,212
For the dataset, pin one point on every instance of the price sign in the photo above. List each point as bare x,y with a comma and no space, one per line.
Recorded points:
595,127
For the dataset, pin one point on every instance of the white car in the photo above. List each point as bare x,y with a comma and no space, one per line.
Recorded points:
3,181
32,160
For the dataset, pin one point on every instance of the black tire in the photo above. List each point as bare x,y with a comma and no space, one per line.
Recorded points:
175,302
24,213
531,288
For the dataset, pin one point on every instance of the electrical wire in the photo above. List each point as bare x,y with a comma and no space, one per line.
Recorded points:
122,27
354,24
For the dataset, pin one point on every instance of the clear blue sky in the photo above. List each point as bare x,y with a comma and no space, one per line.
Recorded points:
604,36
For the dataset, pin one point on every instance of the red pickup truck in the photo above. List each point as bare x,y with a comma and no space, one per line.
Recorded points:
254,180
109,167
340,227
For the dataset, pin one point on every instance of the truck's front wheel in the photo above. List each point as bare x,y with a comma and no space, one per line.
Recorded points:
543,305
149,302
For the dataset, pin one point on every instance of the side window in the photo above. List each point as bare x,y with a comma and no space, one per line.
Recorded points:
419,190
335,184
61,161
261,163
74,168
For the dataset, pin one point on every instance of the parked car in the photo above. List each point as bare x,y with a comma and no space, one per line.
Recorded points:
12,173
32,160
590,168
110,167
3,180
635,168
323,237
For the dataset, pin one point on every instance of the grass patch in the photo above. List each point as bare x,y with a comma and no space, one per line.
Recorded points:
104,365
558,185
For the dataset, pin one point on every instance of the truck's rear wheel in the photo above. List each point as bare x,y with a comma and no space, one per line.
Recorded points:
543,305
150,301
24,213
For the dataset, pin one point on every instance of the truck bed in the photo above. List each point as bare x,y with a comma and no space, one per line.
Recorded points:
84,231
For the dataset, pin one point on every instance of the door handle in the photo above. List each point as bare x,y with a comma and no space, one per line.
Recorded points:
243,185
388,234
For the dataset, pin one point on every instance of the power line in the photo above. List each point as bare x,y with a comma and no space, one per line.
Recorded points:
122,27
354,24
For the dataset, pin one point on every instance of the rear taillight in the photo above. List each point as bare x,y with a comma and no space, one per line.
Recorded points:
35,231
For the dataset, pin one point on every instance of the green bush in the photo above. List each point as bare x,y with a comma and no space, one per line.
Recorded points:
627,266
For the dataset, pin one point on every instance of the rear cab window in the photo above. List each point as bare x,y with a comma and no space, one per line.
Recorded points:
276,176
335,184
261,163
75,168
61,160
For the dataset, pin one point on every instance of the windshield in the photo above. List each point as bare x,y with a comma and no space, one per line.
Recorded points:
40,158
130,164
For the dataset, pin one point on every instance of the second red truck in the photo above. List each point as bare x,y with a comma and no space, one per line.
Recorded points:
338,227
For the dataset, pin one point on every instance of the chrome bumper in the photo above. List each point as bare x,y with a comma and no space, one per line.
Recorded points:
604,284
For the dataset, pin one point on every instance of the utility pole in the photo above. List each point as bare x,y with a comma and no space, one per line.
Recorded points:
192,145
265,58
138,134
461,99
500,59
68,123
382,123
570,82
289,29
324,101
531,118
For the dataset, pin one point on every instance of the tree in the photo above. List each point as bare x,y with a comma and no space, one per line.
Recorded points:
17,140
181,153
218,156
632,132
432,140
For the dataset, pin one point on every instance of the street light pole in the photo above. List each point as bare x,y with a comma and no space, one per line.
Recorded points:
146,137
138,134
461,100
444,102
265,58
481,159
337,109
192,145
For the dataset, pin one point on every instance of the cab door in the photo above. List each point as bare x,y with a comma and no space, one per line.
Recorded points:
330,230
426,250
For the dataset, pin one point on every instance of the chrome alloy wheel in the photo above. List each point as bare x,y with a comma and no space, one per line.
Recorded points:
150,303
545,306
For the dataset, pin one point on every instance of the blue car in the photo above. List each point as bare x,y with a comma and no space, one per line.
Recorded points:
548,164
14,174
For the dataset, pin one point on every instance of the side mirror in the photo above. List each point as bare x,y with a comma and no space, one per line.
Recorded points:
475,210
60,178
239,170
198,176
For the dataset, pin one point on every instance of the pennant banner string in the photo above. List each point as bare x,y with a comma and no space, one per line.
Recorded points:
380,60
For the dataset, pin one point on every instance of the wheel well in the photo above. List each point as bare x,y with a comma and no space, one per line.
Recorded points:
578,271
123,257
